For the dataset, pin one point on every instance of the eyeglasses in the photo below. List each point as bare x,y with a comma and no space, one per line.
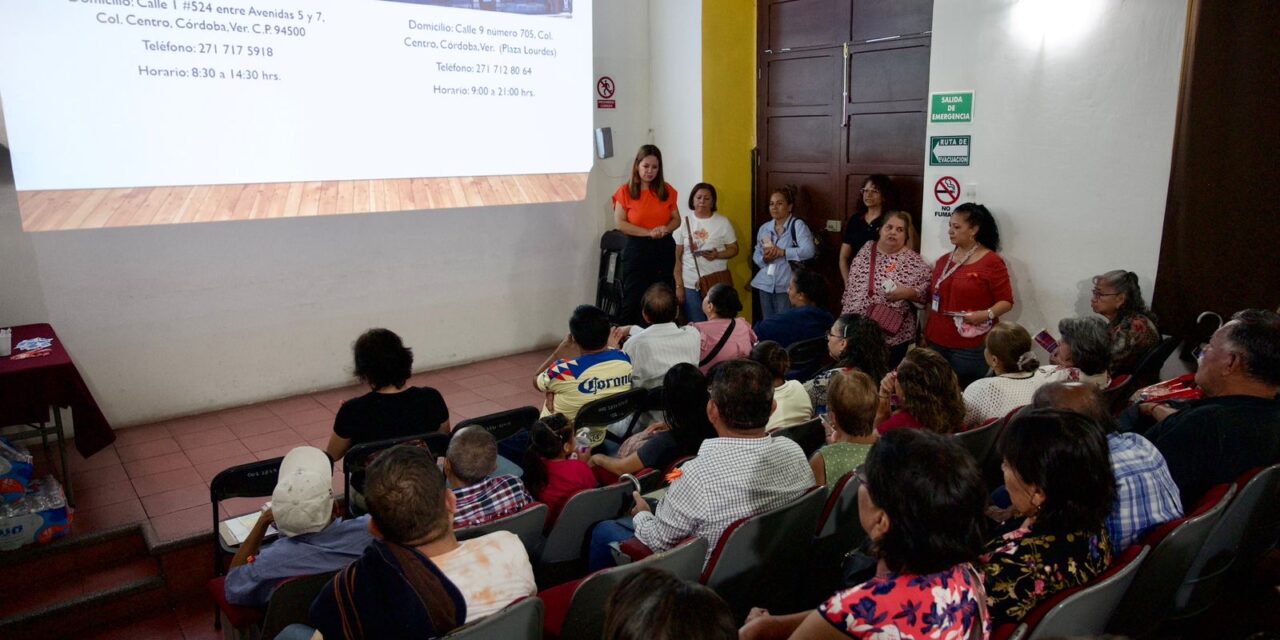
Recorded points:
1098,294
869,190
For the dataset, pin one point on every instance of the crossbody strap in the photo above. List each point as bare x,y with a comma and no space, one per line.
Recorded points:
724,339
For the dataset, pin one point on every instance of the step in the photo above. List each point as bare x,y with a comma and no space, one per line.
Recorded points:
67,560
85,601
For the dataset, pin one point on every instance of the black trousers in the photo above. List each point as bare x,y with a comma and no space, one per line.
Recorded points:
645,262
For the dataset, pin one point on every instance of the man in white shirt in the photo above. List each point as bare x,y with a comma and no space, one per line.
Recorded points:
739,473
660,346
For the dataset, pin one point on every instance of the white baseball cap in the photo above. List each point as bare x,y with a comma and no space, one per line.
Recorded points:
303,499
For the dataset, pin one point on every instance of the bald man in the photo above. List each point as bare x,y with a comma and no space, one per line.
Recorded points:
1146,495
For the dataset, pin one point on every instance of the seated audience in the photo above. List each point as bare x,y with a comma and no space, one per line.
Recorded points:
1018,375
551,472
1058,473
583,367
391,409
791,401
722,307
920,503
684,402
850,432
652,603
1084,352
1118,298
806,318
472,457
740,473
394,586
854,342
412,507
312,538
661,345
1146,495
927,394
1236,427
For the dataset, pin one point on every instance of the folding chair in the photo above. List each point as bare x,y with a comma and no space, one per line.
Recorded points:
1116,395
562,555
758,560
575,610
1084,610
1174,546
357,460
979,440
1148,370
520,620
503,424
810,435
807,358
290,603
250,480
839,531
527,524
609,281
597,415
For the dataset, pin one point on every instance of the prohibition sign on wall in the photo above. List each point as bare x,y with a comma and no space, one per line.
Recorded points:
605,87
947,190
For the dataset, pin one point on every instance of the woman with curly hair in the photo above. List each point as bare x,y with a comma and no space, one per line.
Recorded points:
923,393
1118,298
856,343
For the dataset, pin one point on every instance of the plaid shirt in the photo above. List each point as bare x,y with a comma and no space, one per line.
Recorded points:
489,499
731,478
1145,492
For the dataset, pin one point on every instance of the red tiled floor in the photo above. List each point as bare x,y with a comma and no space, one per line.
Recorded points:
149,449
103,458
482,408
314,430
105,579
203,438
169,501
183,523
272,440
40,598
92,495
167,481
105,475
462,397
139,435
278,452
193,424
219,451
473,382
295,404
158,464
258,426
245,414
309,416
109,517
208,470
499,390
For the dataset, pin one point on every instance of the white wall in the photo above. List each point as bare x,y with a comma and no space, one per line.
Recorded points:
172,320
1072,137
675,92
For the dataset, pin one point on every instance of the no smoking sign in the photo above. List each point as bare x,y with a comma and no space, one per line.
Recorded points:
947,191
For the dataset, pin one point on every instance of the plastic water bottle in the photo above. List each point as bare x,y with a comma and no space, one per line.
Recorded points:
582,444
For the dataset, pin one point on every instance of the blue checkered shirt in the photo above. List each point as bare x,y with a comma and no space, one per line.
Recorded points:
489,499
1145,492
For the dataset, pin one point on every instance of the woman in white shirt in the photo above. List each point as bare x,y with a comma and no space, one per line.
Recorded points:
707,255
1018,375
793,406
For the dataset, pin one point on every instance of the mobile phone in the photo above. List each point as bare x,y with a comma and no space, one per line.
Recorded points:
1045,340
634,481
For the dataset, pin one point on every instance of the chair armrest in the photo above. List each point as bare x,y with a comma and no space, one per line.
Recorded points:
629,550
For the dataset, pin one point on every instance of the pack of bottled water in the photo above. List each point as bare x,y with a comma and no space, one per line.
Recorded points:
41,516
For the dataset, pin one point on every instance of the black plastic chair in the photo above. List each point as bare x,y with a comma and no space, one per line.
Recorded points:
521,620
807,358
609,281
1148,370
838,532
357,459
250,480
597,415
979,440
527,524
809,435
291,602
503,424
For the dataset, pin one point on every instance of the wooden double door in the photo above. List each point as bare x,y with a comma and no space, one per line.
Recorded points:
843,88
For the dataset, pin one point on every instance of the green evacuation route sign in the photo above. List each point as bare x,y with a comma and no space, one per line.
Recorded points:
949,151
956,106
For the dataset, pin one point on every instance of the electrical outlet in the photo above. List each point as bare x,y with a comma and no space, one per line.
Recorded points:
833,225
971,192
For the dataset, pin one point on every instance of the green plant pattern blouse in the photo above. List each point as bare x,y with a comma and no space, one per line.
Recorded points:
1023,567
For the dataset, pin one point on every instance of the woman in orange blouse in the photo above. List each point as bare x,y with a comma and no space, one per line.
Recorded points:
645,210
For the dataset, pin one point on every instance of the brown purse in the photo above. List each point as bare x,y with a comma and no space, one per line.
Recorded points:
889,319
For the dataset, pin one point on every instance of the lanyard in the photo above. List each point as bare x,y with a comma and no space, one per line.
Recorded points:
948,269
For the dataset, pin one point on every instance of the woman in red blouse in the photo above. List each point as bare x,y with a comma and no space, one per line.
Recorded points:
968,292
645,210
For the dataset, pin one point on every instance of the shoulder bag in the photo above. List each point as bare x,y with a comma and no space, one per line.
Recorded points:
889,319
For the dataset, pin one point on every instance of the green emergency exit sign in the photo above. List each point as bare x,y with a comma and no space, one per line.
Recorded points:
952,107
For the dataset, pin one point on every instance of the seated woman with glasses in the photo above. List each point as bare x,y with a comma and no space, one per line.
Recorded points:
920,502
1058,472
848,421
1118,298
854,342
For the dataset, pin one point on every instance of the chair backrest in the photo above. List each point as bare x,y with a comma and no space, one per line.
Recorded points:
585,618
357,458
810,435
1085,610
1174,546
758,559
1246,528
807,357
526,523
249,480
521,620
979,440
1148,370
585,508
839,531
503,424
611,409
841,506
291,602
1116,395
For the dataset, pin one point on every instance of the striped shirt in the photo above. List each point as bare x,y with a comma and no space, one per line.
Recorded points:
657,348
1145,492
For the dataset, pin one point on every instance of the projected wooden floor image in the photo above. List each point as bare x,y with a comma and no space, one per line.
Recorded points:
101,208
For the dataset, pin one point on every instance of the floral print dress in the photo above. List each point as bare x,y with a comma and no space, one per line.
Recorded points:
944,605
1131,338
1023,567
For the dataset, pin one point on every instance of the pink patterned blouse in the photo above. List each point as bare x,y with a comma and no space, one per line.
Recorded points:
905,269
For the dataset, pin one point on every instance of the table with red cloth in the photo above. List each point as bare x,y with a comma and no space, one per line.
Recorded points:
30,386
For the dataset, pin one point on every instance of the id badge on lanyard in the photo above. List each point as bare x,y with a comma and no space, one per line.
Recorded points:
937,301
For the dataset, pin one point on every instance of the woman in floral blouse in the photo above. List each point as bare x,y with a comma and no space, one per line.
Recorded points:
920,503
889,272
1118,298
1058,472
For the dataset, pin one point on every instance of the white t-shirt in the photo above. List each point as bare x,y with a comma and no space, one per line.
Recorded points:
715,232
794,406
491,571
